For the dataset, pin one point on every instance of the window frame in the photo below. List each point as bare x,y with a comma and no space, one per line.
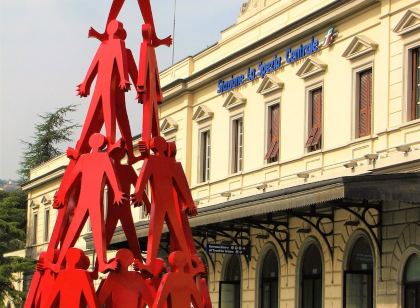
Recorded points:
359,73
236,166
204,159
411,99
47,221
347,270
268,125
301,276
35,217
309,111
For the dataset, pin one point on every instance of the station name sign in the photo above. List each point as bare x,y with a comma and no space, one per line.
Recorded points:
228,249
291,55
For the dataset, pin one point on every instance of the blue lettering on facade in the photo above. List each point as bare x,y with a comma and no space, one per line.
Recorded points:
264,68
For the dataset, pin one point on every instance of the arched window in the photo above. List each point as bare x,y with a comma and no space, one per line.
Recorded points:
230,287
412,282
269,281
358,277
311,278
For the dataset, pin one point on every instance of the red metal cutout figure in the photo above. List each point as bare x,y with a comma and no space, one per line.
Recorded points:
73,285
111,69
162,172
177,285
124,288
92,169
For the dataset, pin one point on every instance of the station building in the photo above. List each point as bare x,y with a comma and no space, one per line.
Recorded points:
299,132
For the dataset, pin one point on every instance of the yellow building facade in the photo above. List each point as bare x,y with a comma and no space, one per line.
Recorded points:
299,132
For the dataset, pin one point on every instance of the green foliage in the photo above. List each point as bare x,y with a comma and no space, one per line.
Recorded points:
12,237
53,129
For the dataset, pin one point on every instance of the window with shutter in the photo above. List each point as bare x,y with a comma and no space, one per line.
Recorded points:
364,102
415,84
272,154
237,145
204,156
315,120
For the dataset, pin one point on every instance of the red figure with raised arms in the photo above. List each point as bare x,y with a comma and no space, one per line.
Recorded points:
121,110
73,285
146,12
177,285
166,180
93,169
124,288
111,69
148,86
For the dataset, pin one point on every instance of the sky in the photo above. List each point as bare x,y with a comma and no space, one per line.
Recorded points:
45,53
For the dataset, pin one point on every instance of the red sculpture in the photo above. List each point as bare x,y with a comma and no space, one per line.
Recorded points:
73,286
62,279
178,285
124,288
92,169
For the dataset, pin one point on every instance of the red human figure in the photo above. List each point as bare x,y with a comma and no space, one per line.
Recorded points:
163,174
93,169
41,284
177,285
148,86
124,288
73,286
146,11
65,212
110,67
126,177
121,110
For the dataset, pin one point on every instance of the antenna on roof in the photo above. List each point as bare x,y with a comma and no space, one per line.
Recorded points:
173,34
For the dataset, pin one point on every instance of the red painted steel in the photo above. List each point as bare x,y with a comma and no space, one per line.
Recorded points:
62,278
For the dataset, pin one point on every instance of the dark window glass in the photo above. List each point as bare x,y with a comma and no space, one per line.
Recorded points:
46,225
230,287
412,282
358,284
35,229
269,281
311,281
415,84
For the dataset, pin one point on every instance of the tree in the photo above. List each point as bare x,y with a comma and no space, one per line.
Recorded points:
53,129
12,237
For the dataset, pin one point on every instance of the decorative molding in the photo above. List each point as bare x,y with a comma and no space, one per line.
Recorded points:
45,200
409,22
202,113
234,100
311,67
168,126
360,45
33,205
269,85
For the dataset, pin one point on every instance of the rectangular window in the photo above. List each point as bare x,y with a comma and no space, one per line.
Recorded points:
364,102
415,84
237,145
314,140
35,229
46,225
204,167
273,122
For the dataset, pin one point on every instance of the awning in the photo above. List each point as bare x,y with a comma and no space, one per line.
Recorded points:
403,187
